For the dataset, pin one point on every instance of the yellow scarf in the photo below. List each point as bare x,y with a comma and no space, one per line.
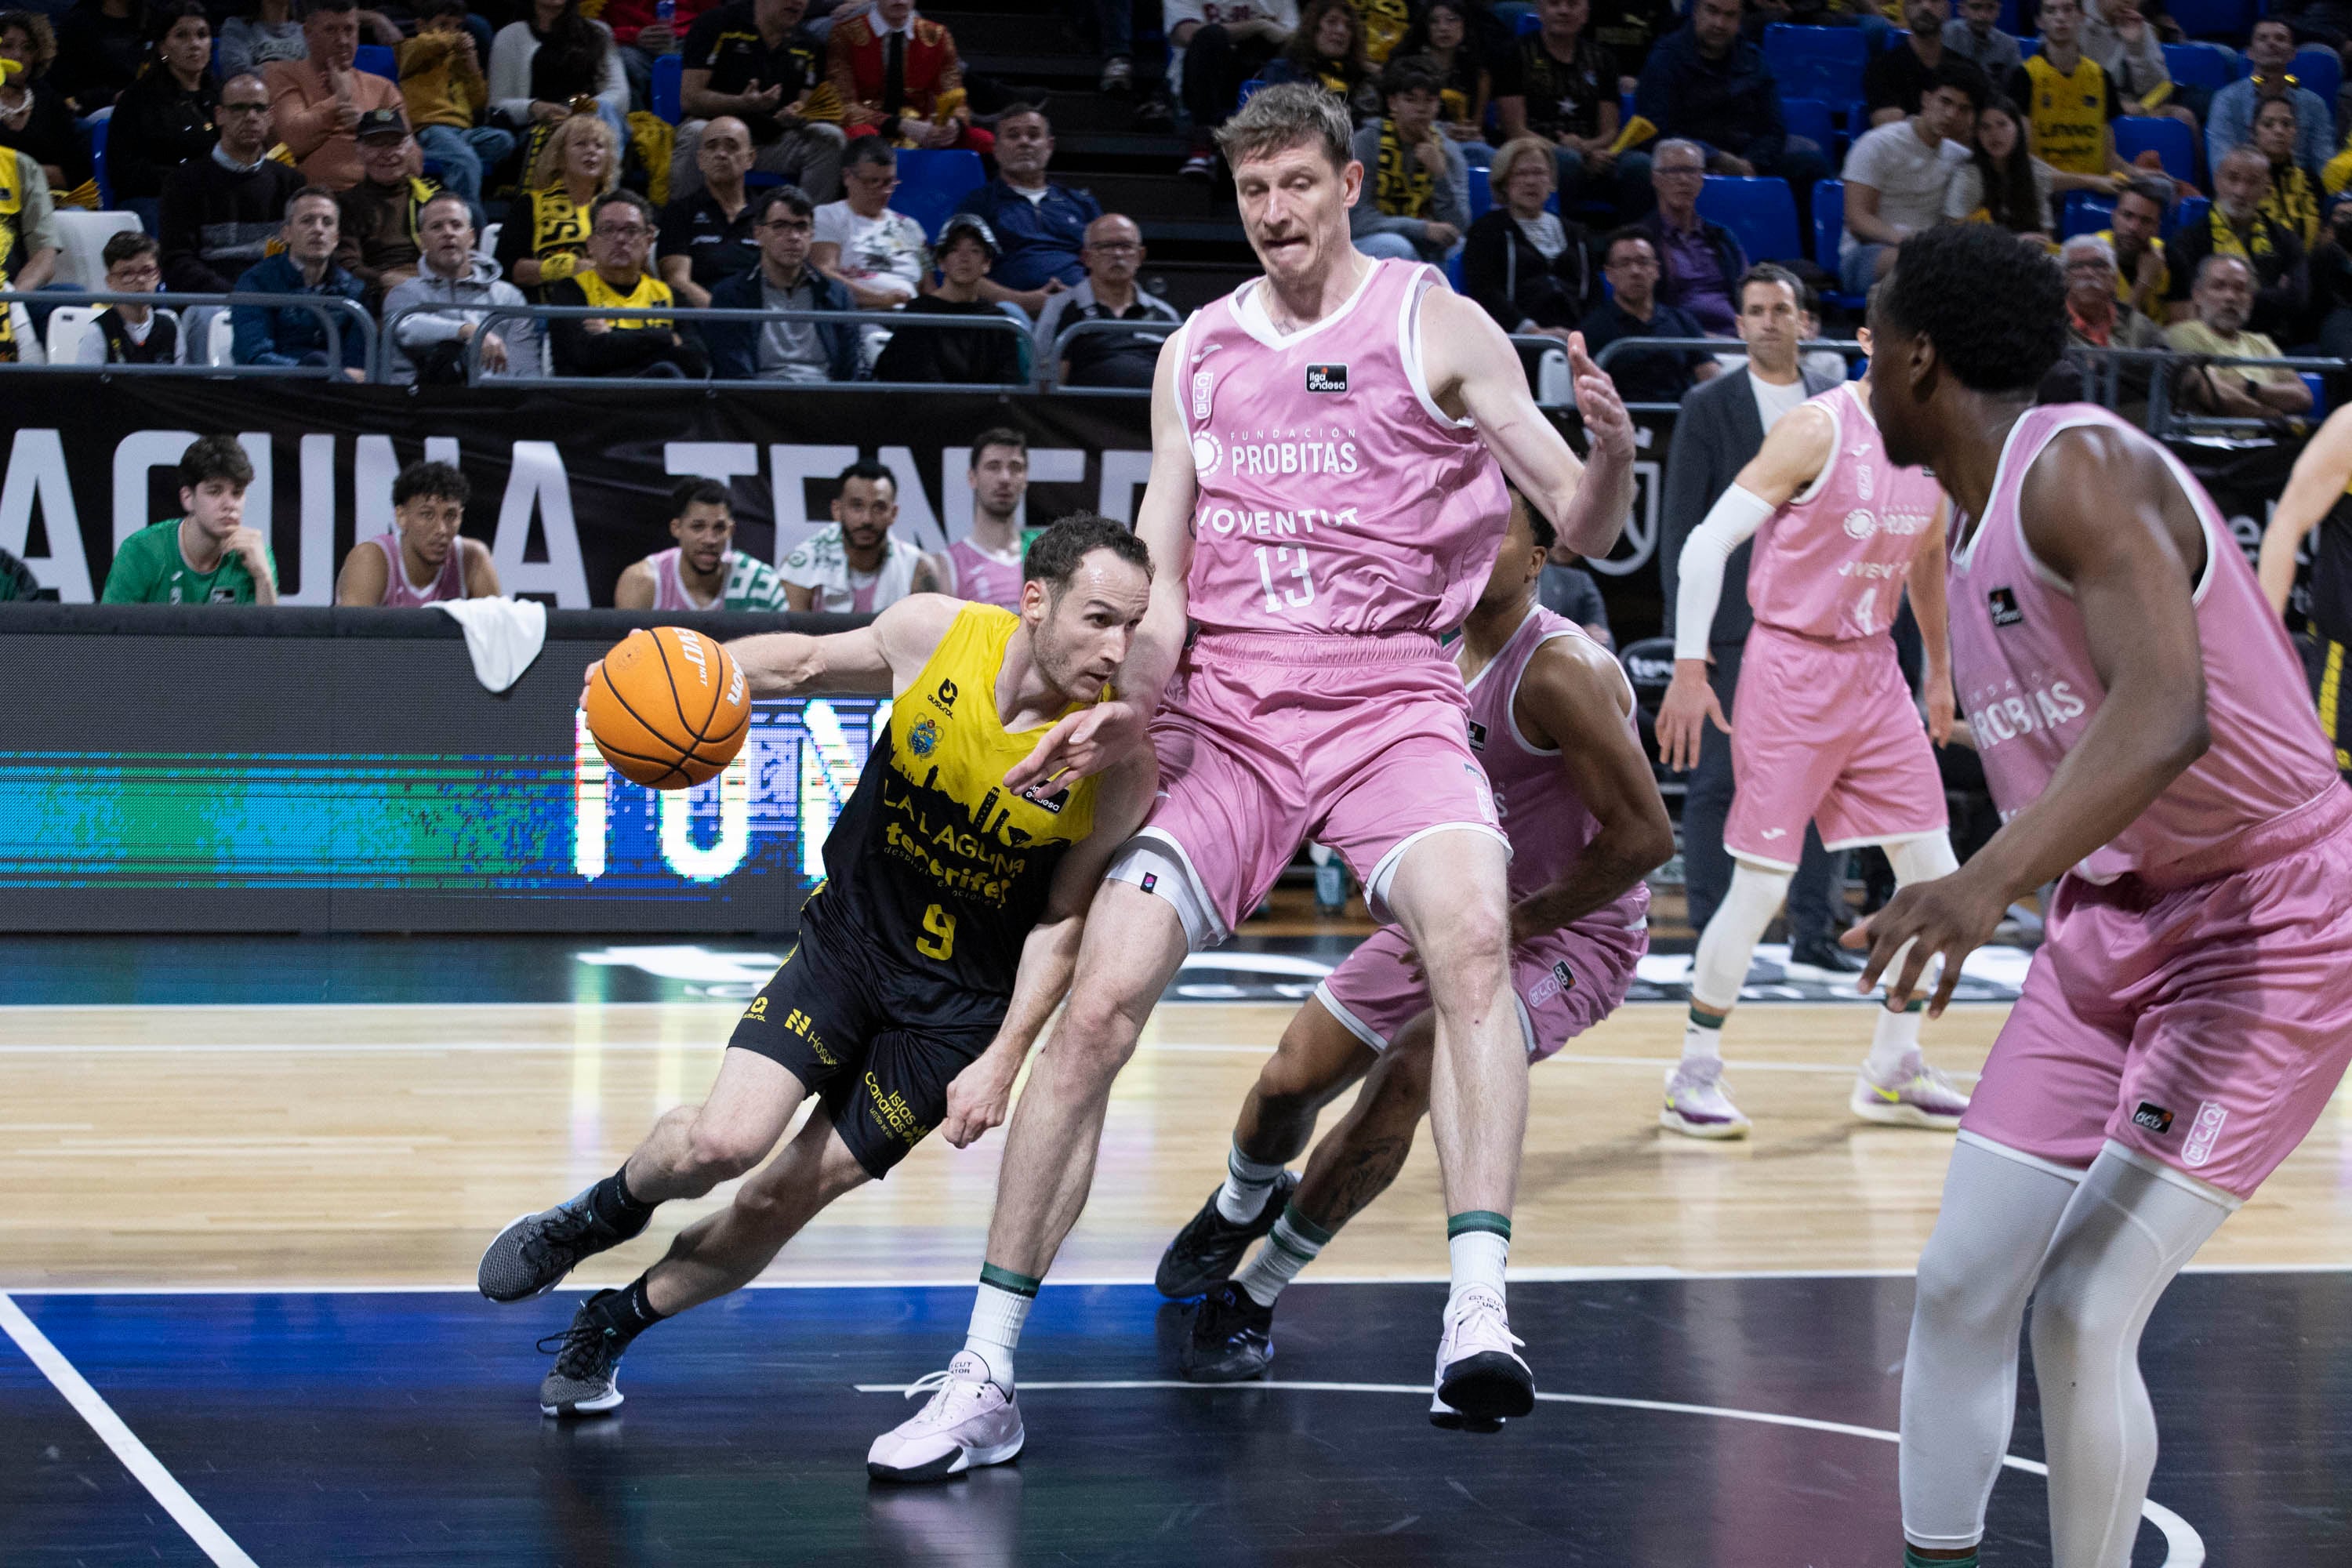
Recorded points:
2293,203
2227,243
1400,187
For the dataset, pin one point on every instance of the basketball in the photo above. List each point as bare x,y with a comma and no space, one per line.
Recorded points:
668,708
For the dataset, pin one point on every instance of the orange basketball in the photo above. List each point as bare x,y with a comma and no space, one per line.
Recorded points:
668,708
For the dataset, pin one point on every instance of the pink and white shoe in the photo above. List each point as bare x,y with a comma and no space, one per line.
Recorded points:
1696,1104
968,1423
1916,1095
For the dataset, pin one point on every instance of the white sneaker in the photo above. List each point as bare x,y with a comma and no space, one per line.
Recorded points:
1916,1095
1696,1103
969,1422
1480,1378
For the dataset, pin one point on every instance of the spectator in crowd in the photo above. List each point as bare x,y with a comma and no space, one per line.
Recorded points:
1559,84
640,36
316,103
452,293
2224,299
1529,268
783,219
379,218
28,227
706,237
753,61
1898,175
1630,30
854,565
2096,319
35,117
1108,292
2294,200
1974,35
1643,375
2142,277
2315,21
1327,48
448,97
206,555
983,567
166,116
1415,203
1703,260
132,334
2070,104
1896,79
1041,225
897,77
703,571
545,236
1445,33
2229,124
2331,283
270,31
2000,183
1567,588
553,57
2118,34
964,355
1218,46
876,254
2236,227
1703,83
424,560
101,44
295,334
620,238
220,212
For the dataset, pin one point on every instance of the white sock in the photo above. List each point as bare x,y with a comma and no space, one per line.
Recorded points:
1290,1247
1895,1036
1478,1243
1243,1197
1703,1037
998,1310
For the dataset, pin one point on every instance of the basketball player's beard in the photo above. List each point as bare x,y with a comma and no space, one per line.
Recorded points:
1071,682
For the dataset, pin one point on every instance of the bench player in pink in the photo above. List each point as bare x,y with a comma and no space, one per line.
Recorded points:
1330,450
428,507
984,565
703,571
1551,720
2147,737
1826,730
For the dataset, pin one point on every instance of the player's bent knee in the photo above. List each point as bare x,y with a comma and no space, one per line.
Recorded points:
723,1151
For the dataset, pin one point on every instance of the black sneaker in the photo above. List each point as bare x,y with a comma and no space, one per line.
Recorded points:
587,1376
1231,1341
533,1254
1821,954
1210,1245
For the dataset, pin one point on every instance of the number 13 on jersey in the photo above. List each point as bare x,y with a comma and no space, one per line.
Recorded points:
1272,558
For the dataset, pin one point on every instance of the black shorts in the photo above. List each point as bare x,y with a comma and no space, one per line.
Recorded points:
853,1030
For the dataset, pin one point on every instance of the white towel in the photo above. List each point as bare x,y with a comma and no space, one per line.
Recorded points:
504,636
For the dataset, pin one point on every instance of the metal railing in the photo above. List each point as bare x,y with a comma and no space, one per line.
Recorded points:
2104,374
332,311
1049,365
896,320
1623,347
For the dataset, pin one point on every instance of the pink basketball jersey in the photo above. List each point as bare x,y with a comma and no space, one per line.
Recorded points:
1545,819
400,593
2030,690
982,578
669,593
1831,564
1335,497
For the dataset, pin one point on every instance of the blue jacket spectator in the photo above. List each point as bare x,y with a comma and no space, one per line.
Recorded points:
1040,227
291,335
2229,123
1706,84
783,222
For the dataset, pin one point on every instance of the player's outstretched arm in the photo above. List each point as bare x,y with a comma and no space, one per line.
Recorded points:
981,1094
1926,586
883,656
1579,700
2321,475
2103,513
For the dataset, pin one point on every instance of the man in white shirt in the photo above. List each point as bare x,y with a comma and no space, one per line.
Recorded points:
879,255
855,566
1895,176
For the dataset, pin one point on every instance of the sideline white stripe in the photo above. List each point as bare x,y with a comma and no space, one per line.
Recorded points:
190,1515
2184,1547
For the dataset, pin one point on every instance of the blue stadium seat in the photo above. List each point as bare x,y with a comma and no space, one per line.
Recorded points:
669,74
1761,211
2009,22
932,181
1829,226
2027,47
2318,394
2319,69
1809,117
2226,19
377,59
1817,62
2173,143
1454,273
1530,22
2085,214
2188,214
2208,66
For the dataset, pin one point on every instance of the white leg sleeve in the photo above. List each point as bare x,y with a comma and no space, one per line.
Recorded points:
1915,860
2130,1227
1959,1374
1922,859
1731,938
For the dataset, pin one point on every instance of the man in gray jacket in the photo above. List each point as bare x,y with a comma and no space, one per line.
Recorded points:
1415,203
455,289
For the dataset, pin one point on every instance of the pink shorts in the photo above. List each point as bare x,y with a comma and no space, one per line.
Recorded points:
2203,1026
1825,732
1265,742
1564,982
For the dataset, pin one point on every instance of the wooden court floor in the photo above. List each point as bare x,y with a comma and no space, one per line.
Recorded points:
267,1147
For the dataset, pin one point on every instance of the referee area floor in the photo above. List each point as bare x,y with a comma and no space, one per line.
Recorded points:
238,1322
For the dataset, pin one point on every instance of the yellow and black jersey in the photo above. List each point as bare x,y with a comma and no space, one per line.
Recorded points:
2066,113
933,866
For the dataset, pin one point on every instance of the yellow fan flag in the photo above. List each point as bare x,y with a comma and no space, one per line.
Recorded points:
1637,131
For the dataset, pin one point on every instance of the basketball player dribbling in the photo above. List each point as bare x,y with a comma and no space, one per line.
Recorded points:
1825,732
2145,730
1329,448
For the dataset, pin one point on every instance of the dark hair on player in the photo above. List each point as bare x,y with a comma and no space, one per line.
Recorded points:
215,457
128,245
698,493
998,436
1995,310
1772,275
791,197
1538,524
439,481
1058,550
867,468
1620,236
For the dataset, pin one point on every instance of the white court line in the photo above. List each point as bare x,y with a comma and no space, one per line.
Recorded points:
2184,1548
209,1537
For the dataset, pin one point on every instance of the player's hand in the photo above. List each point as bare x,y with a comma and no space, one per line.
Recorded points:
587,680
976,1100
1607,425
1079,747
1689,703
1942,708
1952,915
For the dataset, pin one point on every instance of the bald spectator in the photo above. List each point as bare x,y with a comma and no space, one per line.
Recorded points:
1113,255
706,236
2223,299
2236,227
317,102
1041,225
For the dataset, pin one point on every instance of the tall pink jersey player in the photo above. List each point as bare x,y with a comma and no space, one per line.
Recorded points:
1330,450
1825,731
2145,730
1551,720
984,567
